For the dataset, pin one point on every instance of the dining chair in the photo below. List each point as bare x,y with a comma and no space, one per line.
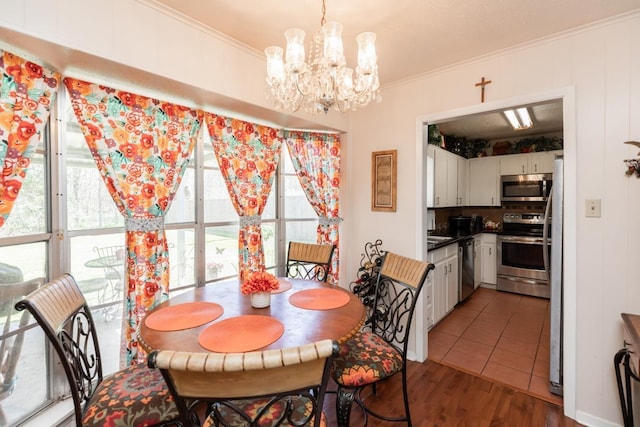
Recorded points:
134,396
10,341
377,354
266,388
309,261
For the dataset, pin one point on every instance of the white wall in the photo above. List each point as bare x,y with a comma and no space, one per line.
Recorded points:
146,48
600,65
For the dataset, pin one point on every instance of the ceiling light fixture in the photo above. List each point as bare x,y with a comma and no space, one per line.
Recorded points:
324,81
521,120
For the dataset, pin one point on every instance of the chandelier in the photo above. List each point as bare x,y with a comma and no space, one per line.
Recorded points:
323,81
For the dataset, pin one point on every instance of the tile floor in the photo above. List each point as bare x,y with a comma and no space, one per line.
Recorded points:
500,336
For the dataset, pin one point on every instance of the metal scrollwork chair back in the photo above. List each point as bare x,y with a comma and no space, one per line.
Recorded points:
381,352
309,261
62,312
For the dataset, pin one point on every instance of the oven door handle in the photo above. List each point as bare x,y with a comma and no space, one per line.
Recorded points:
523,240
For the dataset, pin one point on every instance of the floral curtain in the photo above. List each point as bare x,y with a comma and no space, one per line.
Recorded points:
316,159
27,91
141,147
248,155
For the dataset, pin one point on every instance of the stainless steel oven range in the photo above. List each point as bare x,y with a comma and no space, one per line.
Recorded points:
523,254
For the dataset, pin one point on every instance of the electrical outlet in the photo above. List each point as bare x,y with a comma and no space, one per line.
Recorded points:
592,208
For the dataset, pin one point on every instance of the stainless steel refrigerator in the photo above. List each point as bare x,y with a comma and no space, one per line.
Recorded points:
553,214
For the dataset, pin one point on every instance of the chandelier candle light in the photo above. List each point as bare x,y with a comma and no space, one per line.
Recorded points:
324,81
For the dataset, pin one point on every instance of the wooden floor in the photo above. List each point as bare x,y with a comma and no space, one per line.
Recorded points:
443,396
488,366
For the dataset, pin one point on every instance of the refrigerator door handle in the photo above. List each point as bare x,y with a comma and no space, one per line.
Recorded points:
545,237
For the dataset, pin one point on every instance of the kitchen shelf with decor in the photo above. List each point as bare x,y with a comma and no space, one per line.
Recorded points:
471,148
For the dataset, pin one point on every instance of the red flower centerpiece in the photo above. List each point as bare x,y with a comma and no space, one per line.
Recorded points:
259,285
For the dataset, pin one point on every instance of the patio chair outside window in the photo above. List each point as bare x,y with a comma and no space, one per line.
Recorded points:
111,259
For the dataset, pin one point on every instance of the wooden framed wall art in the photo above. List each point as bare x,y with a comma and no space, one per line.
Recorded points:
383,180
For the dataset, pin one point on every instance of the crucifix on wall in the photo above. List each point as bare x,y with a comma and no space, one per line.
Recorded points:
482,83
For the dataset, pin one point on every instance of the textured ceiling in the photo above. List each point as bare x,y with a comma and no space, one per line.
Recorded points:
413,36
547,119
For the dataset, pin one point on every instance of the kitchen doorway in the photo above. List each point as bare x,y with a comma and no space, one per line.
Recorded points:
486,115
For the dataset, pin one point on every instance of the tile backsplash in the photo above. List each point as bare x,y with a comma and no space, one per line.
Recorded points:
438,219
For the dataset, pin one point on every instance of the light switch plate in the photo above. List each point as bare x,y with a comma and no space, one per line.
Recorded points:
593,208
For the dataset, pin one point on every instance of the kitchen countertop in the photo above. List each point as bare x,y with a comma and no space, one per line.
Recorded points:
452,239
443,243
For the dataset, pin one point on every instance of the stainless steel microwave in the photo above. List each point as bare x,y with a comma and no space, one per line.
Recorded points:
525,188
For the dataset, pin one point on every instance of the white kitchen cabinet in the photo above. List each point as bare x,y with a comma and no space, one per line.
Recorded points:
463,181
513,164
440,178
530,163
430,175
452,276
484,181
488,259
439,283
542,162
477,260
445,282
450,178
428,294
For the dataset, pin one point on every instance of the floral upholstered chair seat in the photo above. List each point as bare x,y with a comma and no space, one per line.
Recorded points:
134,397
364,359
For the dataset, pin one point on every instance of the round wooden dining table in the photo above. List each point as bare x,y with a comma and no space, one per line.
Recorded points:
227,304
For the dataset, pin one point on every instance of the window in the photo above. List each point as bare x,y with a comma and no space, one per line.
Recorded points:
24,244
300,218
66,221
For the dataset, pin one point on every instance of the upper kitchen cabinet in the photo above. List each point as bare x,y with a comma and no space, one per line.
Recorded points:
450,179
484,181
463,181
530,163
430,175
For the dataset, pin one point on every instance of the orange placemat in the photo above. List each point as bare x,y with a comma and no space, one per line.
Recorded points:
285,285
183,316
319,299
241,333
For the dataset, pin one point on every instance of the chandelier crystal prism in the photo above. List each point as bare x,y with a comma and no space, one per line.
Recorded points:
323,81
